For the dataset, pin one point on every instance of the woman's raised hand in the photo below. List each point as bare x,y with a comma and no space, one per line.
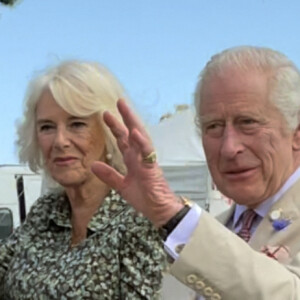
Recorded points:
144,186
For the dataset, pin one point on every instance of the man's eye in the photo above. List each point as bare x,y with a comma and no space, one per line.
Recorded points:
214,129
249,125
212,126
248,121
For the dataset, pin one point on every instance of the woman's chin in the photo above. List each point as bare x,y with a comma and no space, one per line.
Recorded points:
69,181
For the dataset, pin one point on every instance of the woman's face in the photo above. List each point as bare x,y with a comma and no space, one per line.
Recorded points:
69,144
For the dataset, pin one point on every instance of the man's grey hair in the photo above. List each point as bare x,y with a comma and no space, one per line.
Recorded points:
283,77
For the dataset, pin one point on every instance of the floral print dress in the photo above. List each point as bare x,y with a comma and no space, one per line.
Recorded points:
121,258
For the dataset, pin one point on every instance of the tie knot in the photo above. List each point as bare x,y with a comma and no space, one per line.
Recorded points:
248,218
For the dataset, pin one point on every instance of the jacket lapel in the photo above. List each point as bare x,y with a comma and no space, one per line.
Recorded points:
265,234
225,216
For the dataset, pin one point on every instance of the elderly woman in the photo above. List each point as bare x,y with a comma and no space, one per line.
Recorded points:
82,241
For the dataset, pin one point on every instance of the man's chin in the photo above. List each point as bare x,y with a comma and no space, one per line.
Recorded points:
243,197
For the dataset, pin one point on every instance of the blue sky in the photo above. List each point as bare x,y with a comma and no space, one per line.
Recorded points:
155,47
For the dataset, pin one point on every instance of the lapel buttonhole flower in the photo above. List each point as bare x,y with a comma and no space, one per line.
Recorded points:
280,224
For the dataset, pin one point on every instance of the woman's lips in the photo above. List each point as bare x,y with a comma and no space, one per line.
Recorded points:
64,161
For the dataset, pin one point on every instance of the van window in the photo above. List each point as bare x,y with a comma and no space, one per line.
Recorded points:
6,223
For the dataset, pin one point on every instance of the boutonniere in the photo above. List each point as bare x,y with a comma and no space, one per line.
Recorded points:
278,222
279,253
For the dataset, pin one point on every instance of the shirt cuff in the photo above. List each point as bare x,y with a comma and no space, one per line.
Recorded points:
183,231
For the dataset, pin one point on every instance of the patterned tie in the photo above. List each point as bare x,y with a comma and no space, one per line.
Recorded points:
248,218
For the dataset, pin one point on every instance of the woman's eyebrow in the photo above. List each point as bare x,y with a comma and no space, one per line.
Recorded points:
41,121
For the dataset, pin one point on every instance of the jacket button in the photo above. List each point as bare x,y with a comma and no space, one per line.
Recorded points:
216,296
199,285
179,248
191,279
208,291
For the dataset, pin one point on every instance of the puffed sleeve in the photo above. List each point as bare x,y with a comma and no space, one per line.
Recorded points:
142,260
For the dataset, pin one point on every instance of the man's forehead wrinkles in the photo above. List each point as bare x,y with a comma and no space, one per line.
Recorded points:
228,93
240,114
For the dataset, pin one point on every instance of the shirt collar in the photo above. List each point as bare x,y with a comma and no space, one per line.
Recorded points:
61,210
265,206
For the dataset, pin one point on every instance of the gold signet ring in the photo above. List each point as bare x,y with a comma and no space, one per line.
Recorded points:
150,158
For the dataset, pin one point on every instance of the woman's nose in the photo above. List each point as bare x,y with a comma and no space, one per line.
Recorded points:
62,138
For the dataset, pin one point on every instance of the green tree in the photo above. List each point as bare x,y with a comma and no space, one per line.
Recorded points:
8,2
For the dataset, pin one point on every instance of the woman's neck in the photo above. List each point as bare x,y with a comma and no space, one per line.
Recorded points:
85,199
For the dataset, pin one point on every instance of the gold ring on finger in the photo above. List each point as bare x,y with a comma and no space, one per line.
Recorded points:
150,158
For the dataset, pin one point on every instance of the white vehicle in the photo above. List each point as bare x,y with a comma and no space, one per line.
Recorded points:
19,188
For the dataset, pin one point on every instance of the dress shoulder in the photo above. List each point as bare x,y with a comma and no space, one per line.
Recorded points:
43,207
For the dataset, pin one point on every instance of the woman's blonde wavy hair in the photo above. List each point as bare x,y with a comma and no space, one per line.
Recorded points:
81,89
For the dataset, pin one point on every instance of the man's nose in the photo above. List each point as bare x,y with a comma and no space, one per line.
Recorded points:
232,143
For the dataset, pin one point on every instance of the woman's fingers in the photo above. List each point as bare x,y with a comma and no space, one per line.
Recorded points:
138,134
119,131
142,142
130,119
108,175
132,134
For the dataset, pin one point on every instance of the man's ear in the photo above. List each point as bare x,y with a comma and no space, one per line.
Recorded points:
296,139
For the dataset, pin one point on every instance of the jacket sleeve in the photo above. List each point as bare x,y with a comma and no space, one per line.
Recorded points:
219,265
142,260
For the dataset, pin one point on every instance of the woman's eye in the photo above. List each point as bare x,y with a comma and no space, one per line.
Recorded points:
45,127
78,124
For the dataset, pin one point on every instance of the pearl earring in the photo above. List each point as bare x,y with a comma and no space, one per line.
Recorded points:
108,156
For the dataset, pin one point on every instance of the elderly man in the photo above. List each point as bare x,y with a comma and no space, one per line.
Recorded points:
248,110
